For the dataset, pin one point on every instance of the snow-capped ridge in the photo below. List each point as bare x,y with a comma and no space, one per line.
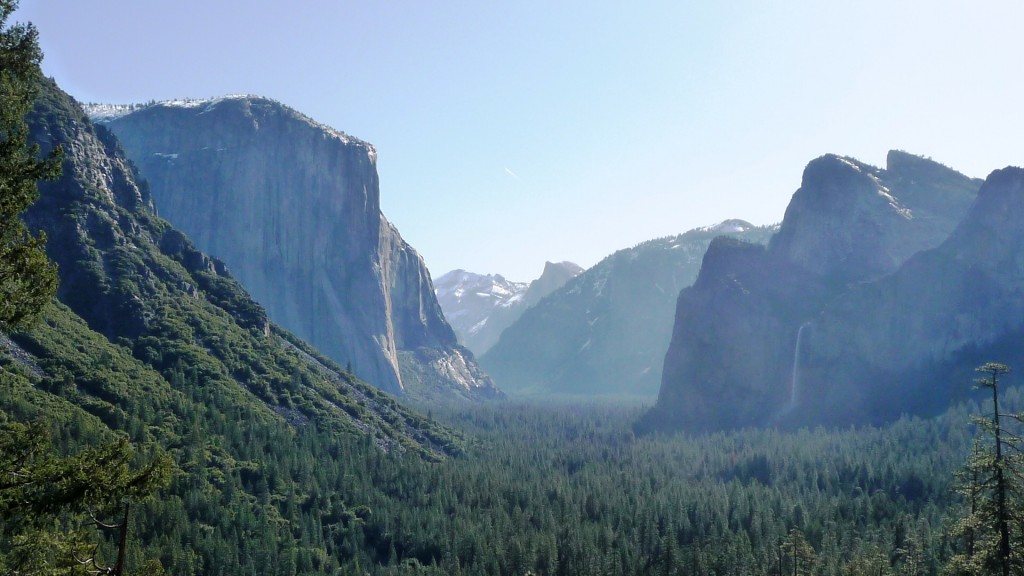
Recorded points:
101,113
731,226
480,306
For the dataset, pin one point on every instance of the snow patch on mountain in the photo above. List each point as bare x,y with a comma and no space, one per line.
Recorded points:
480,306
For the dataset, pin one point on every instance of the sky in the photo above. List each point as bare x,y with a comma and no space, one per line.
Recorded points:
513,133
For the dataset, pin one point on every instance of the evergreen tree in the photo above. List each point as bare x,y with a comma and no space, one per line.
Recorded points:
51,507
800,553
991,484
28,280
54,510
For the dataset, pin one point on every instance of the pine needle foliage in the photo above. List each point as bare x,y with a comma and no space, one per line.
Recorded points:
991,483
28,280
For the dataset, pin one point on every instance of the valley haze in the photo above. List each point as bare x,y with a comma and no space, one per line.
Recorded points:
215,392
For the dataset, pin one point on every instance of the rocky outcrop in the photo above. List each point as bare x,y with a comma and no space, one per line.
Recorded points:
554,276
910,341
480,307
91,215
143,314
743,332
850,221
605,332
292,207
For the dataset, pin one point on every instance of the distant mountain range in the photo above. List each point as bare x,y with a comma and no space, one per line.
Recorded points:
480,307
880,293
292,207
606,331
875,296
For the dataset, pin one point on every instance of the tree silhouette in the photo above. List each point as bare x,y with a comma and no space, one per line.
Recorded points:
28,280
991,485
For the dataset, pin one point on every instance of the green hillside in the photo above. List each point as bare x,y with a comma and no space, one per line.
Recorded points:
154,387
154,341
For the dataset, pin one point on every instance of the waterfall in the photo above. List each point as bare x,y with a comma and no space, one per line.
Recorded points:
794,383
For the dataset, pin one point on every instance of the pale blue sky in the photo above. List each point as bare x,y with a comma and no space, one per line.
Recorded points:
517,132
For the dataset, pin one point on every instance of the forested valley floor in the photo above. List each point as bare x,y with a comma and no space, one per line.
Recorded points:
574,491
548,490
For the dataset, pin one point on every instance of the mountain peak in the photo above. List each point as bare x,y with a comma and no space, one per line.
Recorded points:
248,103
992,227
850,220
293,207
561,268
744,326
480,307
731,226
899,160
1003,185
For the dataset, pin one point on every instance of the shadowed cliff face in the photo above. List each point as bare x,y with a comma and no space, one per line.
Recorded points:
910,341
728,360
91,216
734,359
293,208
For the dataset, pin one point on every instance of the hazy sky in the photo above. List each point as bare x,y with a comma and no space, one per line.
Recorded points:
517,132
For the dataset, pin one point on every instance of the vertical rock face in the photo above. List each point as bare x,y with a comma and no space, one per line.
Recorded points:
185,330
909,341
732,359
292,207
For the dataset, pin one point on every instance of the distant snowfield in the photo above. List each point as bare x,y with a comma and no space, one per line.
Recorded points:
106,112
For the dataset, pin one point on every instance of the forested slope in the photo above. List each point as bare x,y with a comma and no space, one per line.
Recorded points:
285,464
154,340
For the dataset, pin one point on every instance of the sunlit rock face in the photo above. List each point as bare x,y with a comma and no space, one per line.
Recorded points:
292,207
734,359
850,221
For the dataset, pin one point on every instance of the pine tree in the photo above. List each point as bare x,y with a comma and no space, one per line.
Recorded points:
991,484
800,552
53,509
28,280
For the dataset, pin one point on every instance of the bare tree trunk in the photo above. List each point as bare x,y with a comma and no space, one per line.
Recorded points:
122,545
1004,528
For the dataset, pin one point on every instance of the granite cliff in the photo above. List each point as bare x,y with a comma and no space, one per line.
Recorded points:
910,341
742,331
292,207
148,328
480,307
606,331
